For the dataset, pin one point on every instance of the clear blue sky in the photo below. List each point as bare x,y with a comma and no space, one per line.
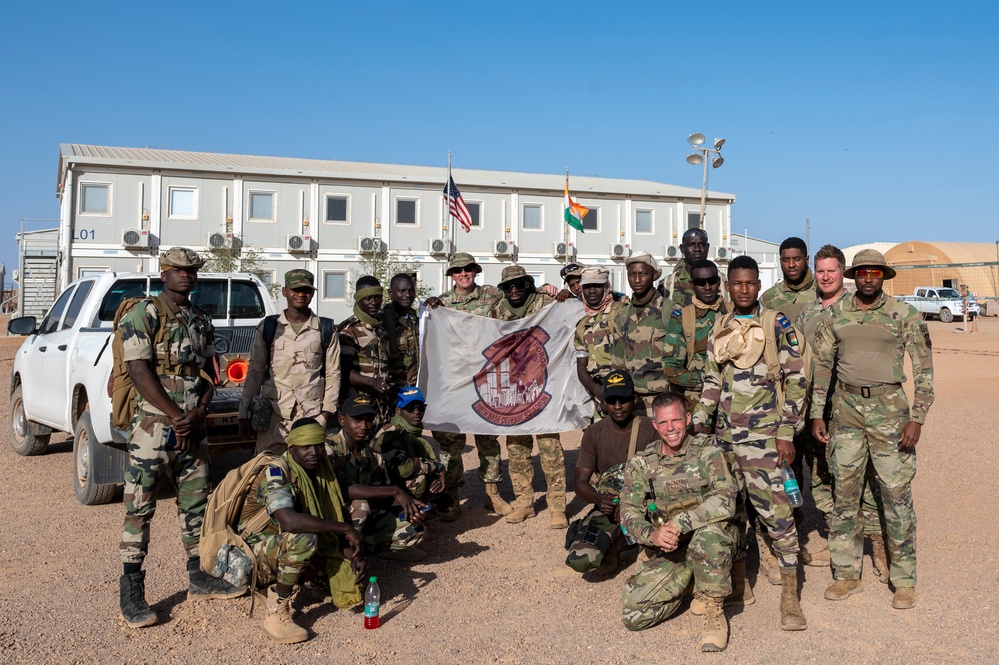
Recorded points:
875,120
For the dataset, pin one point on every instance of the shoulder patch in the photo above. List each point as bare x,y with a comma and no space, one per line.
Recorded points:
782,320
792,338
677,311
274,472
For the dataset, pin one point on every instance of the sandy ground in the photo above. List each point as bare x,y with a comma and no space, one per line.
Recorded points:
496,592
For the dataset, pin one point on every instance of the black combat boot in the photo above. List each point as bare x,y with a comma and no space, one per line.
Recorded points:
203,585
134,608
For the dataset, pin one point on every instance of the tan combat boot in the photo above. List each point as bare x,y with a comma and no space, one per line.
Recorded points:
742,592
714,635
494,503
455,511
819,559
791,616
879,557
523,507
278,622
904,598
841,589
768,562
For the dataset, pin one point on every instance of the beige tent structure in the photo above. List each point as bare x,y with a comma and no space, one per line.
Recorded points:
974,266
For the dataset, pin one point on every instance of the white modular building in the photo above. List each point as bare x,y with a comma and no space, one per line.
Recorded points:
120,207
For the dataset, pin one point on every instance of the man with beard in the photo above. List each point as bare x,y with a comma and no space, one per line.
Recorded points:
694,247
797,289
593,341
364,346
402,328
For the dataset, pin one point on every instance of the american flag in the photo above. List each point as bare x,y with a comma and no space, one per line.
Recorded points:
456,204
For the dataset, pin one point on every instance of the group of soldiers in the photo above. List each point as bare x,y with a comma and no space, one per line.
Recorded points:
704,390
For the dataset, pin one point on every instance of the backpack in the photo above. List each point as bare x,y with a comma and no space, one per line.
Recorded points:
224,552
326,329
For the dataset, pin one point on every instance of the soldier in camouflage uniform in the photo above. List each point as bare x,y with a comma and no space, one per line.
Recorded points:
593,341
678,288
375,503
683,359
639,332
300,493
467,296
364,347
522,299
168,439
402,327
294,373
798,288
865,338
751,426
689,533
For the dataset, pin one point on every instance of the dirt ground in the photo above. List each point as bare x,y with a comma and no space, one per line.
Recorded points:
496,592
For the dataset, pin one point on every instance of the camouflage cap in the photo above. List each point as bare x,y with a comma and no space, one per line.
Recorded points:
598,276
462,260
571,270
869,258
299,277
181,257
647,259
511,273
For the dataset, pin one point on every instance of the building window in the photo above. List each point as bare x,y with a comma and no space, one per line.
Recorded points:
643,221
405,211
90,271
475,212
183,203
336,209
334,285
531,220
591,221
694,220
95,199
262,206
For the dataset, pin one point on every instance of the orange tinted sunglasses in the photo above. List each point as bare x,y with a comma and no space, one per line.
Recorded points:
876,273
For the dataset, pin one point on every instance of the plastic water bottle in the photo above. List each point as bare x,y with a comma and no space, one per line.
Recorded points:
656,516
627,536
372,602
791,486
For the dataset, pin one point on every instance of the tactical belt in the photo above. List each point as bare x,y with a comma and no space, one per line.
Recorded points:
871,391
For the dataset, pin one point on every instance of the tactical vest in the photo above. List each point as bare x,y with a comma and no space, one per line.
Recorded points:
679,492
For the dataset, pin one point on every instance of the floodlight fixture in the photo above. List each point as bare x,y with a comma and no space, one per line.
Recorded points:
717,161
703,155
694,159
695,139
719,143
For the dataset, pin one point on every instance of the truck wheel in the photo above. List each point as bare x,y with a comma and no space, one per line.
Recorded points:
88,492
24,443
946,316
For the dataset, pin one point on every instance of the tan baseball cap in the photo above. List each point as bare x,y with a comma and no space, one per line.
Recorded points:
598,276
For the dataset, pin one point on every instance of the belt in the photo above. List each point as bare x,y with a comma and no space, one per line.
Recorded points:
871,391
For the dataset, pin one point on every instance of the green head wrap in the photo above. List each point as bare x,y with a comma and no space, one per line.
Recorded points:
306,435
367,291
360,313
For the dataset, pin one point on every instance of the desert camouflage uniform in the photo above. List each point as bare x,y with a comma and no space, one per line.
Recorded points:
594,341
189,338
374,519
405,365
747,424
519,447
480,301
867,348
790,301
294,381
685,379
696,491
409,459
364,350
681,288
639,335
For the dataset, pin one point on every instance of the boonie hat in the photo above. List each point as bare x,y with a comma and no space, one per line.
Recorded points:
181,257
742,341
462,260
511,273
647,259
358,405
571,270
619,384
598,276
408,395
299,277
869,258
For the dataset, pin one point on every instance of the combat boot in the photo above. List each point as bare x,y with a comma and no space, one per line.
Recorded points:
742,592
714,635
203,585
523,508
494,503
842,589
609,564
278,622
879,557
818,559
768,562
558,520
556,506
454,512
791,616
904,598
134,608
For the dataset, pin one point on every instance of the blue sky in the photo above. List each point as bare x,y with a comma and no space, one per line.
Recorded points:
875,120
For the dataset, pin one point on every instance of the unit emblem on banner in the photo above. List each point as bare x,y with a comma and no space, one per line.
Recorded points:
511,384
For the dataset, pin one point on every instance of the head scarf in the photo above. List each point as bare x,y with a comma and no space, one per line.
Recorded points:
359,295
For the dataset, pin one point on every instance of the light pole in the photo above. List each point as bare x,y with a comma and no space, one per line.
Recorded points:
700,156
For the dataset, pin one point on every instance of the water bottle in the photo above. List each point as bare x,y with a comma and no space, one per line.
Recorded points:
656,516
627,536
372,601
791,486
424,510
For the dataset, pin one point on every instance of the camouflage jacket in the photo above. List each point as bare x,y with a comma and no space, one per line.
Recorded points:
271,491
693,488
678,371
681,289
639,335
364,350
190,338
367,469
406,455
789,301
868,347
594,340
294,375
404,366
807,324
480,301
745,401
502,312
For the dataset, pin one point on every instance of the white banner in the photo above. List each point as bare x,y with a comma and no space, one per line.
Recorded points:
483,376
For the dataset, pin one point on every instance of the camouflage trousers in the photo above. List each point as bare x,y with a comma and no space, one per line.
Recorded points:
643,404
382,529
452,446
758,476
654,592
282,557
273,439
596,534
150,464
865,432
519,449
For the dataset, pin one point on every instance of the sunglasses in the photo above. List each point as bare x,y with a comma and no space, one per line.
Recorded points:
876,273
704,281
466,269
518,284
616,400
415,406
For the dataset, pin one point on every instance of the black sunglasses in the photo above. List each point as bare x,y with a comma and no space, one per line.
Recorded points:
614,399
518,284
413,407
704,281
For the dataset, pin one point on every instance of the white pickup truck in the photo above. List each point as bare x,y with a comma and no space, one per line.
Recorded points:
942,302
62,372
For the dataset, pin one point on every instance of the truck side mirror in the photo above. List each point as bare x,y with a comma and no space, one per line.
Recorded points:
22,325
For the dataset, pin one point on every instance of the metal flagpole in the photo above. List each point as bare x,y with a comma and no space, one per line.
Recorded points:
565,225
450,218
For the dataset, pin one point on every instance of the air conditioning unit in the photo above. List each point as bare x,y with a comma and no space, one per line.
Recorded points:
135,238
369,245
299,243
504,248
563,250
218,240
440,247
722,252
619,251
672,252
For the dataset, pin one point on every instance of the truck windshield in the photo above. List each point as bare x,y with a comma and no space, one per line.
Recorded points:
948,293
209,295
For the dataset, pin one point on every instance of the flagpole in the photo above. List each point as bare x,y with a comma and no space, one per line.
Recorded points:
450,217
565,225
